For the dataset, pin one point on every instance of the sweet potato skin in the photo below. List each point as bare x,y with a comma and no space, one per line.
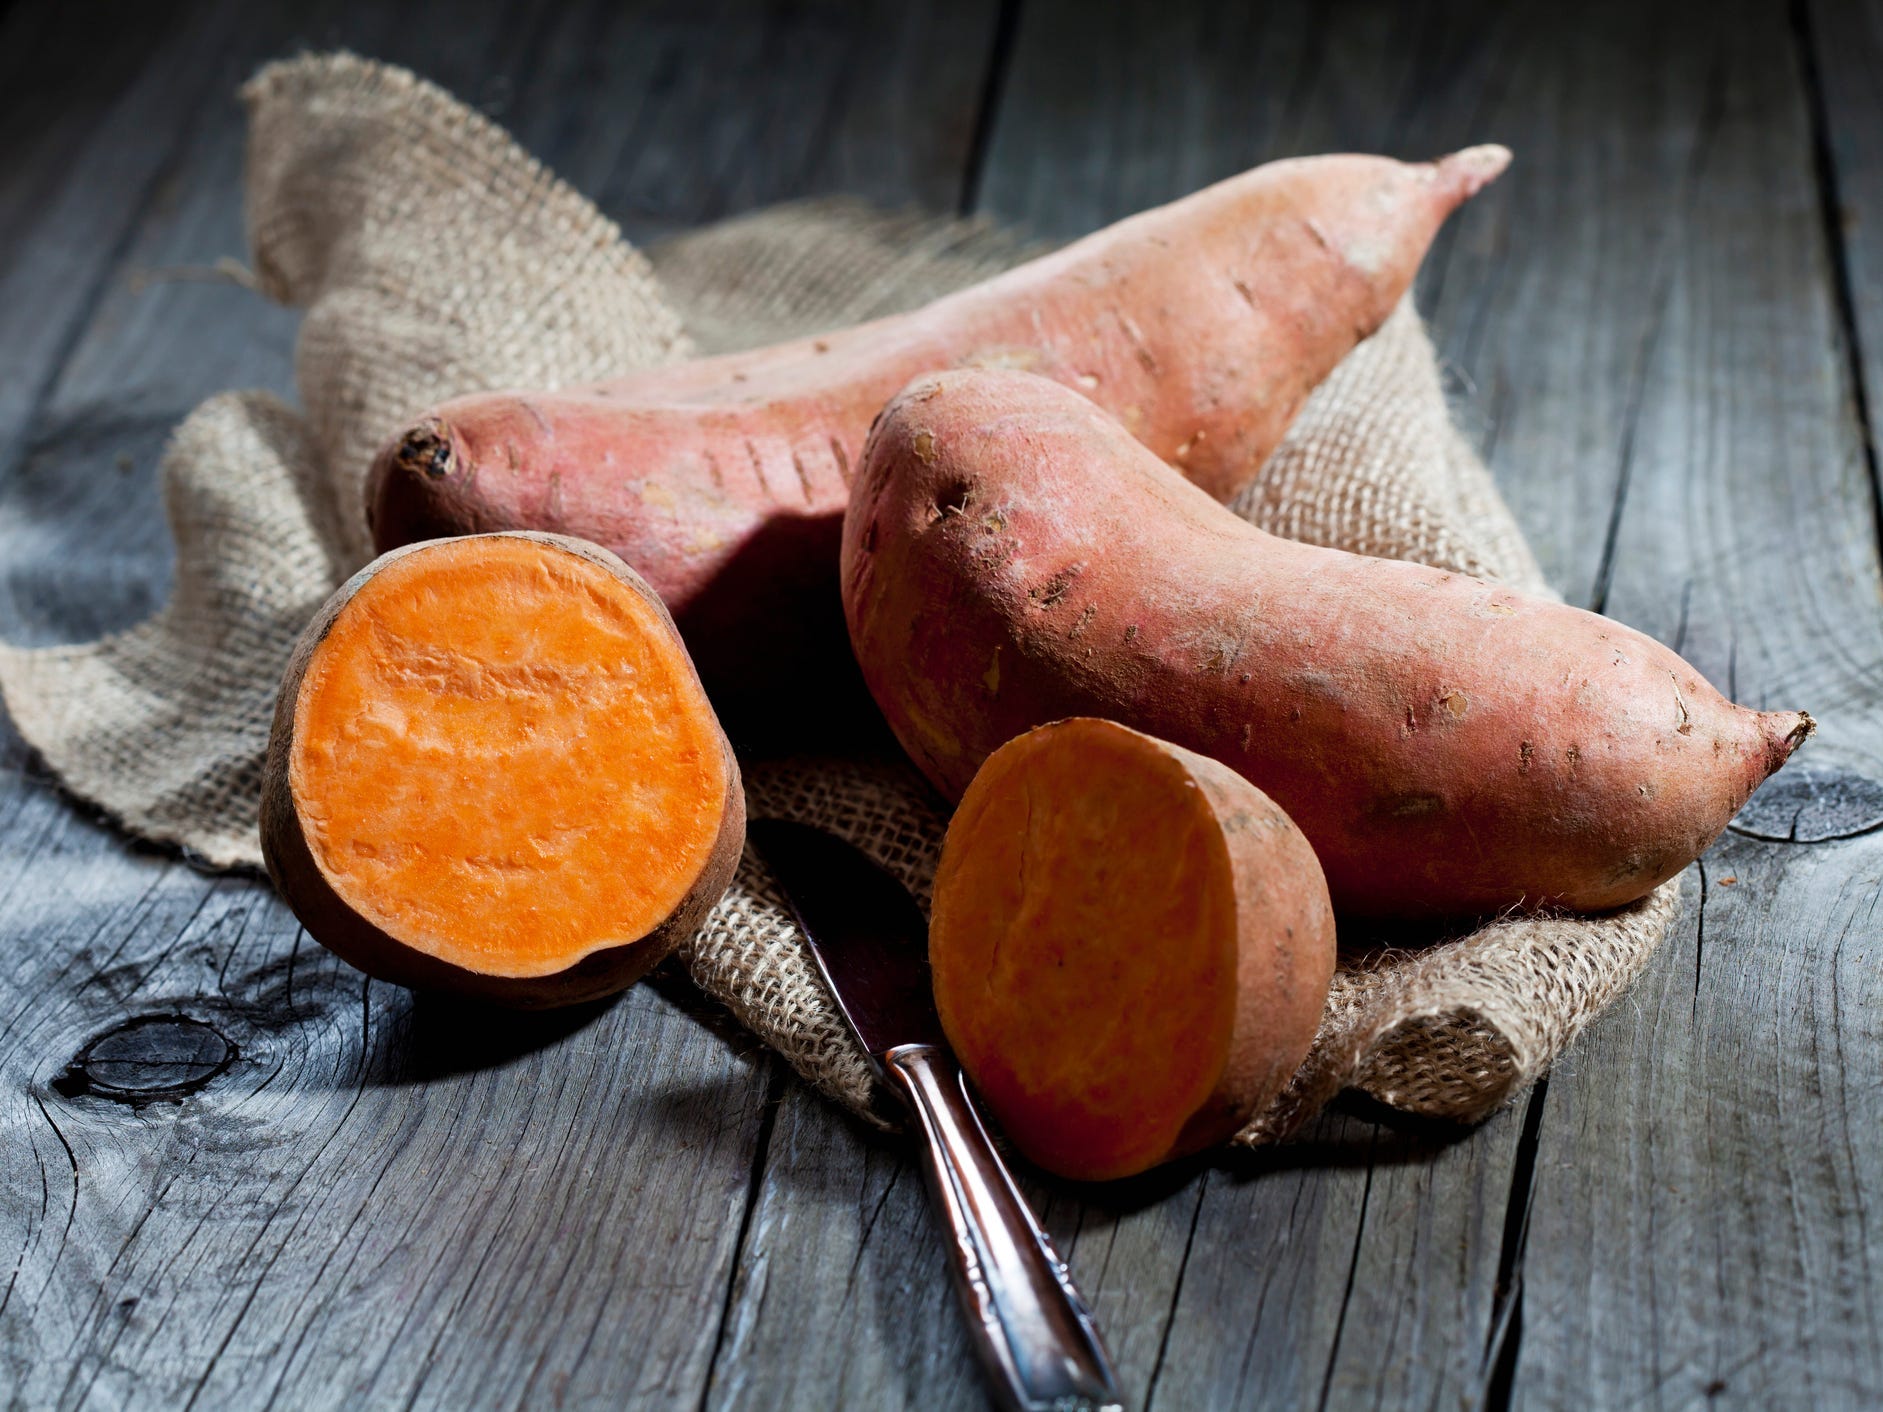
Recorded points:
1450,747
1202,325
338,927
1283,958
1287,959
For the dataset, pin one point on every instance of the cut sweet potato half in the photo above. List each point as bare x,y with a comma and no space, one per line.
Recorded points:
1131,947
494,771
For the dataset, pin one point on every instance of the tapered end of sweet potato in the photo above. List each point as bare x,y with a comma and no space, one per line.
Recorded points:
1784,732
418,487
1468,172
1131,947
494,771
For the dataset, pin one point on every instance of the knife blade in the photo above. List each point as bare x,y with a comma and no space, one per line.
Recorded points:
1031,1329
867,935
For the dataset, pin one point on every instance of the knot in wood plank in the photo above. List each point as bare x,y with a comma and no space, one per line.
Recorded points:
148,1057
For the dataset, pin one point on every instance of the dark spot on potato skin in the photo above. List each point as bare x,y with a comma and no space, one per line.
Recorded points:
1635,866
953,498
426,450
1051,593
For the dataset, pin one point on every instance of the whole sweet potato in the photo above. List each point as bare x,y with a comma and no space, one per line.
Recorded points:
493,771
1131,947
1201,325
1449,746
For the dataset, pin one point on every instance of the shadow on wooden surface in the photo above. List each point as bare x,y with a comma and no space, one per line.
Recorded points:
1356,1131
443,1035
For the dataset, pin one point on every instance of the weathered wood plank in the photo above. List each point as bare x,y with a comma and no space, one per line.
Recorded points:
1610,344
1547,297
1518,279
698,110
1269,1281
1699,1225
379,1199
374,1190
90,124
1357,1266
1843,52
842,1297
1364,1262
322,1223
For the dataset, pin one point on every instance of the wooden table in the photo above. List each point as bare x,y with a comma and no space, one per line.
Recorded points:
1666,330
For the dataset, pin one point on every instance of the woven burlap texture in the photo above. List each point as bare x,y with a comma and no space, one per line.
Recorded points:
433,257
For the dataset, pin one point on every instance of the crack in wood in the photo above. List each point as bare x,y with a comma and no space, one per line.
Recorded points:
761,1151
1353,1269
1505,1339
1176,1296
1837,252
1811,804
987,111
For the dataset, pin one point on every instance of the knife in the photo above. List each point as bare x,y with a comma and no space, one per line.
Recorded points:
1030,1327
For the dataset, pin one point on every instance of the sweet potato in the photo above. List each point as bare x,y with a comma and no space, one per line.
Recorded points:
494,771
1131,947
1202,325
1450,747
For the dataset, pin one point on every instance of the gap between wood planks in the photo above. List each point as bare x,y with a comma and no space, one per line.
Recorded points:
1830,218
1504,1338
761,1152
987,112
1504,1342
994,87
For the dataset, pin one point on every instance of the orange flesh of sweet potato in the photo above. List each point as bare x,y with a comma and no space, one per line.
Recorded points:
1202,325
500,763
1131,947
1450,747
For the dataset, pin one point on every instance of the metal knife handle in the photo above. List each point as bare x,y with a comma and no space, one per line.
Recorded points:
1030,1327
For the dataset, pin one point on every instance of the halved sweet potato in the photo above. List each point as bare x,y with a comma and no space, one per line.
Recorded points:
494,771
1131,947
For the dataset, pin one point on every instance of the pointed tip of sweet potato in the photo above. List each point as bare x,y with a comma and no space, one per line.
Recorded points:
1469,171
1784,732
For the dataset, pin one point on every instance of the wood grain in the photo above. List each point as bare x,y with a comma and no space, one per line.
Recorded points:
1276,1281
1665,335
680,112
1708,1156
1841,44
380,1200
363,1198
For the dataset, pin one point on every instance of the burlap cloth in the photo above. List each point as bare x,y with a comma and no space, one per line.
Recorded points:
434,257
